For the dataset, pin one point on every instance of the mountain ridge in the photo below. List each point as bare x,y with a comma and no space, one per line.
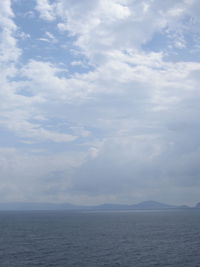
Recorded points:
145,205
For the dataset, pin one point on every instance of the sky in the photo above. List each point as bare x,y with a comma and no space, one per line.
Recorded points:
100,101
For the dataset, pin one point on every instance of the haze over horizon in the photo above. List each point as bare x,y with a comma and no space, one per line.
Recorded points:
100,101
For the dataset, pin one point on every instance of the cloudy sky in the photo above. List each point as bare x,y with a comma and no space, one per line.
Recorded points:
100,101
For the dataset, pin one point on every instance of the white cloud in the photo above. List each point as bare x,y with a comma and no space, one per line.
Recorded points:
8,44
132,116
18,110
105,25
45,9
27,176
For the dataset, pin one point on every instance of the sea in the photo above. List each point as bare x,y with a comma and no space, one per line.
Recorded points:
100,238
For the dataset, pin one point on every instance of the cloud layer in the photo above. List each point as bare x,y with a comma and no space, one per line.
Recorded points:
100,103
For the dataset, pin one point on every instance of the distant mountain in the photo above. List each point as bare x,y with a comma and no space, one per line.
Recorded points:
197,205
152,205
184,207
112,207
146,205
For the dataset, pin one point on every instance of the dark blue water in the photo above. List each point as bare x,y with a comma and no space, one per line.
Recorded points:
100,239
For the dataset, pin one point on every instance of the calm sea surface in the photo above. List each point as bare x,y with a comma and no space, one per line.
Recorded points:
84,239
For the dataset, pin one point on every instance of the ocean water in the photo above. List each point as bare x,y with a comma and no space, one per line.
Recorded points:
90,239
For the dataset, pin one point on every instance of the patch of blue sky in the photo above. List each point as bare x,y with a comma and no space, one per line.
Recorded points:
25,92
158,43
190,52
176,45
78,145
69,126
26,18
41,40
10,140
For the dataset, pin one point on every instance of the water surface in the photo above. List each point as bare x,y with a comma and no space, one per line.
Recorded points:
90,239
